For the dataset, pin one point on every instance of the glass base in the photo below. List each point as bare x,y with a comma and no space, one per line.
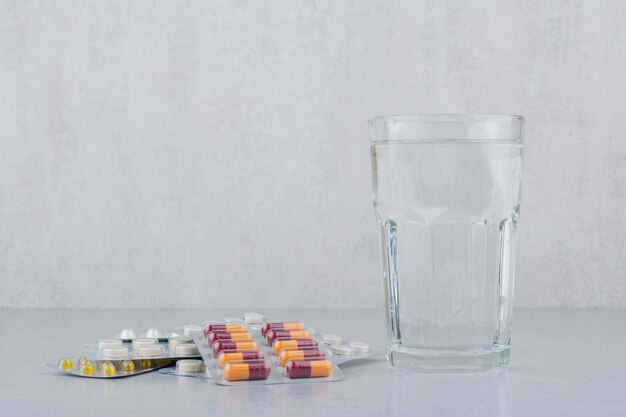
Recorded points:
436,361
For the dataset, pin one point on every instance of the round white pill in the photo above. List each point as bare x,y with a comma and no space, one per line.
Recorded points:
154,332
103,343
190,365
331,339
341,349
146,341
186,349
178,340
191,328
127,334
253,318
359,347
115,352
149,351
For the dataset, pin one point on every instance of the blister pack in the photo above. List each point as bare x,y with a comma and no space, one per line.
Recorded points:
88,368
174,347
259,350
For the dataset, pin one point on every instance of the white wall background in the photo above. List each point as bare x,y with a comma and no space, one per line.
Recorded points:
214,154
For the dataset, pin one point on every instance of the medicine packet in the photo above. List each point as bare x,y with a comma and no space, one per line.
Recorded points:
259,350
87,368
174,347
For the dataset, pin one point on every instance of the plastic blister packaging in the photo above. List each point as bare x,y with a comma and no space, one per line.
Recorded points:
128,335
260,363
193,368
347,351
269,352
141,348
88,368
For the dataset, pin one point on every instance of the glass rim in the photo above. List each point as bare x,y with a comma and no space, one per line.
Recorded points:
446,117
447,128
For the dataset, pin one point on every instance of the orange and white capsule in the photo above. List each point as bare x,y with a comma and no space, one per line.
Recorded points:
250,371
281,325
287,355
228,328
238,345
286,334
296,344
216,335
309,369
224,357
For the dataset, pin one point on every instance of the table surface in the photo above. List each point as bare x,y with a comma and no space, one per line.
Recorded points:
564,363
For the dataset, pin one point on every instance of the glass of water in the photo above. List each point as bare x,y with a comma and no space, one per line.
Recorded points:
446,191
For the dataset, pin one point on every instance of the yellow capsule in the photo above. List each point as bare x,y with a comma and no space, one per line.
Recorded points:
65,365
102,365
107,368
127,366
87,368
145,363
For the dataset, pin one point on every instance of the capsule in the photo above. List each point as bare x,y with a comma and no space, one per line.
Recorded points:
293,345
309,369
224,357
65,365
107,368
85,366
286,355
145,363
127,366
243,345
281,325
274,334
232,327
215,336
251,371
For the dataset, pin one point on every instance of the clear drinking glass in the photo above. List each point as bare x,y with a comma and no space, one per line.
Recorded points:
446,191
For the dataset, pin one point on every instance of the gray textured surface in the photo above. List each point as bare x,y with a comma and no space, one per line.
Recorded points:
563,363
151,146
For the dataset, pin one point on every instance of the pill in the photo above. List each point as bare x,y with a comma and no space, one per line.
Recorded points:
145,363
279,325
293,345
287,355
274,334
178,340
309,369
186,349
154,332
224,357
149,351
215,336
127,366
115,352
359,347
86,368
127,334
342,349
253,318
107,368
65,365
146,341
191,328
243,345
102,343
251,371
331,339
230,328
190,365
